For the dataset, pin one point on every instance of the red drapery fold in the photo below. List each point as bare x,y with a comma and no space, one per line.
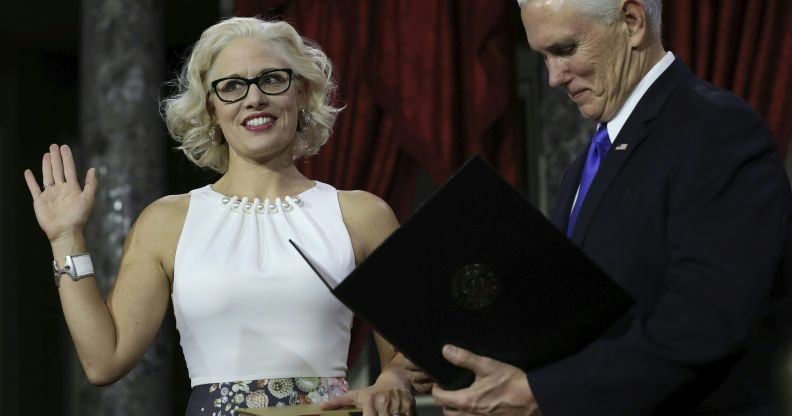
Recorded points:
425,83
364,151
430,80
743,46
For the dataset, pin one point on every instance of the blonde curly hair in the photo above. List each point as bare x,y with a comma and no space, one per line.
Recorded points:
186,114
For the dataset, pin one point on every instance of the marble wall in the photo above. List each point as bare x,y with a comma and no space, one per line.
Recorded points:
555,132
122,68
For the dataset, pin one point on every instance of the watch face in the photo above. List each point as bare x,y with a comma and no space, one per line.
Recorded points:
80,266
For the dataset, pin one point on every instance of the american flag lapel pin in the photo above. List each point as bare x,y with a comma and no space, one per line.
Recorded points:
622,146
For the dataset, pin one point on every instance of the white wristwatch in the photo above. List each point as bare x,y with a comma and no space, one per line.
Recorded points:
77,266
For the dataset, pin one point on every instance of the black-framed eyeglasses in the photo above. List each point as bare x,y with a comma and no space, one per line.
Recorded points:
270,82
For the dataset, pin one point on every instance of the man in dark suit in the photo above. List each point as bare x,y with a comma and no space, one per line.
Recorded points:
682,199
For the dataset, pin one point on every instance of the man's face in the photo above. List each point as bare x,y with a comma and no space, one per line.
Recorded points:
589,59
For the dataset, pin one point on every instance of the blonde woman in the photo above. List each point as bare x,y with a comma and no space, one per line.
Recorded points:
256,327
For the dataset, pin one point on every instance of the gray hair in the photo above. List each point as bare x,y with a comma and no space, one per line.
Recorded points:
607,11
186,114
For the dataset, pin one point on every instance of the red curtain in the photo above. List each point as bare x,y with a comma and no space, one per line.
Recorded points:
744,46
425,83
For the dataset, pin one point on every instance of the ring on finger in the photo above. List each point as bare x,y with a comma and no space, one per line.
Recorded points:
49,184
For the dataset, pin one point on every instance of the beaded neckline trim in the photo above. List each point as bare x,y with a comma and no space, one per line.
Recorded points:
267,205
279,205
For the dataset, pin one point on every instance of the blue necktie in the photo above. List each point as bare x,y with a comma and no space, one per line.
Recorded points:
600,144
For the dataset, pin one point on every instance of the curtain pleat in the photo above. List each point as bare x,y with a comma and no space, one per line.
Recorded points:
743,46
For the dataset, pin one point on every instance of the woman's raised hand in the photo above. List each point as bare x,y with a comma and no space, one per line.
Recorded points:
62,207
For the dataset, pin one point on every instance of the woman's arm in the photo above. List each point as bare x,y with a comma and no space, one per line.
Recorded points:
370,221
109,337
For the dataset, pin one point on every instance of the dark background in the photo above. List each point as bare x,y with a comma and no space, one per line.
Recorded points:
39,105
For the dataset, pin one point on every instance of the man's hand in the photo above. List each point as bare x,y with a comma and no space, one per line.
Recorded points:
420,381
499,389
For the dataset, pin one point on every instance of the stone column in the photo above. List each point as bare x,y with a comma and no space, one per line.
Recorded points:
555,132
564,134
122,66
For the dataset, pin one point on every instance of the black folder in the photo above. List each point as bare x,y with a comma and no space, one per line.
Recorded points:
479,267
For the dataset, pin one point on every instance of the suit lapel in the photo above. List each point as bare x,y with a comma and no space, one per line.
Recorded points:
566,194
630,137
631,134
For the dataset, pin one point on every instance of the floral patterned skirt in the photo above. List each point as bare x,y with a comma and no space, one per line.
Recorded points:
221,399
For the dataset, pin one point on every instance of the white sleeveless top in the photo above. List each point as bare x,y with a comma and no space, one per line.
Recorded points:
247,305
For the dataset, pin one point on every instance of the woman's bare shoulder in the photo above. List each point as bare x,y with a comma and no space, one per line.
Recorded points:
166,210
368,219
163,219
157,230
364,206
170,205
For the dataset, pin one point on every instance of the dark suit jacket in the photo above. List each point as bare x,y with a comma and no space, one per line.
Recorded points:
691,219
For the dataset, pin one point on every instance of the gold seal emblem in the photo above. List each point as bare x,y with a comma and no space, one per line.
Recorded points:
475,286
